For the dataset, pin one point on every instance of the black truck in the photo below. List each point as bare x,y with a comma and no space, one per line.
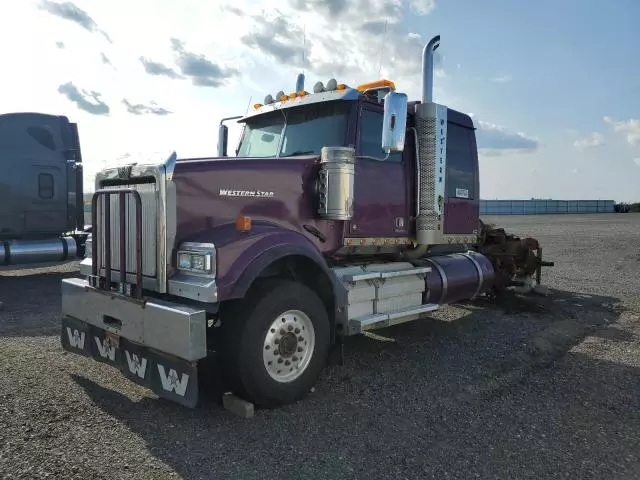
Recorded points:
41,191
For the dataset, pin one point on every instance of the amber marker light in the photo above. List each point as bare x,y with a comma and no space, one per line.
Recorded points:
376,84
243,224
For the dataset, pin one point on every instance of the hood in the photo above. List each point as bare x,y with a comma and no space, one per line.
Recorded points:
211,193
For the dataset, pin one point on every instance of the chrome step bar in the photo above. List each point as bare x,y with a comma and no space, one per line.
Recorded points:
382,320
384,275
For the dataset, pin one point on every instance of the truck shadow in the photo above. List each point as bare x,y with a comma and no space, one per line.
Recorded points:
30,298
495,388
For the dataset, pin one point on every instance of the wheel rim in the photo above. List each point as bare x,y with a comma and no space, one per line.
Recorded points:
288,346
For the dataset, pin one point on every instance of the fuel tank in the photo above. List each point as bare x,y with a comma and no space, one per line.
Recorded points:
457,276
17,252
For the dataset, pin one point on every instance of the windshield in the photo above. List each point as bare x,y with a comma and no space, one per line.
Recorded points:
294,131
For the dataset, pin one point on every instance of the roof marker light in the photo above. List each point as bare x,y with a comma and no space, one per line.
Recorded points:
376,84
257,105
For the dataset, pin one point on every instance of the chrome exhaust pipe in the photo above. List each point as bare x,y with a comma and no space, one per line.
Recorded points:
431,127
427,69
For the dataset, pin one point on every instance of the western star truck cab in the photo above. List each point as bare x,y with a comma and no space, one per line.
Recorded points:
344,210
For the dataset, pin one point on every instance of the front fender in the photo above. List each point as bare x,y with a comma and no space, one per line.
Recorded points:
241,256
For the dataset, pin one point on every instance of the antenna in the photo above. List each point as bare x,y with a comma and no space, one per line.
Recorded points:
384,36
304,44
248,105
300,79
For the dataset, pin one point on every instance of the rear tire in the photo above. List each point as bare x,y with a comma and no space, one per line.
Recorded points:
276,343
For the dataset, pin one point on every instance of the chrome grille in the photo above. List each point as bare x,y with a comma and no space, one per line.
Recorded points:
149,196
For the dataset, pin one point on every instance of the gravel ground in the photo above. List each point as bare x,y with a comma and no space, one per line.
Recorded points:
536,387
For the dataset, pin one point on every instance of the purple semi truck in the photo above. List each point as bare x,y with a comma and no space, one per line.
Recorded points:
344,210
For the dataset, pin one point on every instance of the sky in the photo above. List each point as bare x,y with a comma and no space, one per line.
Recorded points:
553,86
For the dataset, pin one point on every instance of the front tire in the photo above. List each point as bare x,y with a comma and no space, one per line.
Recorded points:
276,343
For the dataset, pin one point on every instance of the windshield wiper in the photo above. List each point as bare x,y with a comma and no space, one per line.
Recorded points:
299,152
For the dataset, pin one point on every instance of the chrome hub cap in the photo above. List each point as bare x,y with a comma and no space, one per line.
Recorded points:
288,346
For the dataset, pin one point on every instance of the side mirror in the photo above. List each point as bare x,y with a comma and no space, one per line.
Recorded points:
395,122
223,135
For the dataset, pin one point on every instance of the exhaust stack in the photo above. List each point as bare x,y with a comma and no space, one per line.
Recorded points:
300,82
427,68
431,127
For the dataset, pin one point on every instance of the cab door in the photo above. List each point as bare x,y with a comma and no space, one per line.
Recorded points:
380,207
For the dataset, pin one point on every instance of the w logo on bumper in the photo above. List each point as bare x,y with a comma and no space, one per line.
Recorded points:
76,338
137,365
171,382
105,349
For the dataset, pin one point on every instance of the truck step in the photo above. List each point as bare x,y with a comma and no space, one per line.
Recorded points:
382,320
358,277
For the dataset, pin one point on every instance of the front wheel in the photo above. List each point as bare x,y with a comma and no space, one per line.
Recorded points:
276,342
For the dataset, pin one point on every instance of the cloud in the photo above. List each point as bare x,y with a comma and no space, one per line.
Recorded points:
88,101
637,161
69,11
140,109
156,68
236,11
60,45
422,7
277,37
379,27
203,72
358,43
105,59
629,127
502,79
593,140
339,9
495,140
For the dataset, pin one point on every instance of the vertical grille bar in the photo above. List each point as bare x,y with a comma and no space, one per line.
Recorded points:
123,240
94,251
107,238
136,195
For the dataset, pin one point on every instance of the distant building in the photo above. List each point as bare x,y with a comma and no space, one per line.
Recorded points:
545,207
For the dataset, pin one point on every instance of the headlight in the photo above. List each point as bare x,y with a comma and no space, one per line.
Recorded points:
197,257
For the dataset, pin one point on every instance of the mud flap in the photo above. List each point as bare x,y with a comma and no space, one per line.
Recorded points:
167,376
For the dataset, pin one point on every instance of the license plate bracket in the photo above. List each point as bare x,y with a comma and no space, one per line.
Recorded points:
114,340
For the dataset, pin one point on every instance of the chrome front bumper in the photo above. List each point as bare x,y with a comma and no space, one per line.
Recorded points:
168,327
